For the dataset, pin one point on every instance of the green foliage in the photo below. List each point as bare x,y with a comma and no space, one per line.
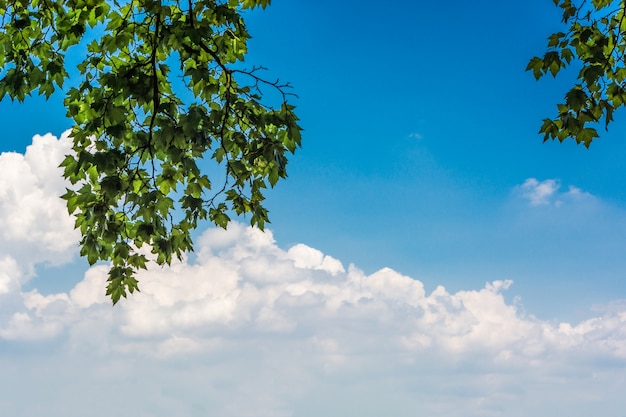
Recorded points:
595,38
160,89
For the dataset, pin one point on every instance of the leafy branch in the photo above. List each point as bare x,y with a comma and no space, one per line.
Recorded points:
137,143
595,38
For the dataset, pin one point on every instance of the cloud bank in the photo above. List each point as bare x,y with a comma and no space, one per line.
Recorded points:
247,328
284,329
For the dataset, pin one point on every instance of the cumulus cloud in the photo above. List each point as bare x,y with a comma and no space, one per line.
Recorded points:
547,192
285,328
34,224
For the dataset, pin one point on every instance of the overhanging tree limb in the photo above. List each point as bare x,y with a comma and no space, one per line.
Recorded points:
140,127
595,39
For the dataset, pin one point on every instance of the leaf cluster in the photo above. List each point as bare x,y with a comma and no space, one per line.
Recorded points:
595,37
162,88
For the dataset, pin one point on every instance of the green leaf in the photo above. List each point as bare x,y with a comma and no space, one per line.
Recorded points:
536,65
576,98
586,135
219,218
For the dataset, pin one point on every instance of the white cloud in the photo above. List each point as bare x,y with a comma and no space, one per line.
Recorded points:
10,274
539,193
285,330
34,224
546,192
309,258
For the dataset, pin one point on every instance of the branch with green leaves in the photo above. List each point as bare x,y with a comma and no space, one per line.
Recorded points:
595,38
161,91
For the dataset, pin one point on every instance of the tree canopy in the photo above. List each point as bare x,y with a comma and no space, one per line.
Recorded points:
160,90
595,38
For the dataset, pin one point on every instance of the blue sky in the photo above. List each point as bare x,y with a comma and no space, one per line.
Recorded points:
428,254
420,121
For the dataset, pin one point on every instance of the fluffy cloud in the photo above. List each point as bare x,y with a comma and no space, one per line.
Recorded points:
34,224
285,329
546,192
